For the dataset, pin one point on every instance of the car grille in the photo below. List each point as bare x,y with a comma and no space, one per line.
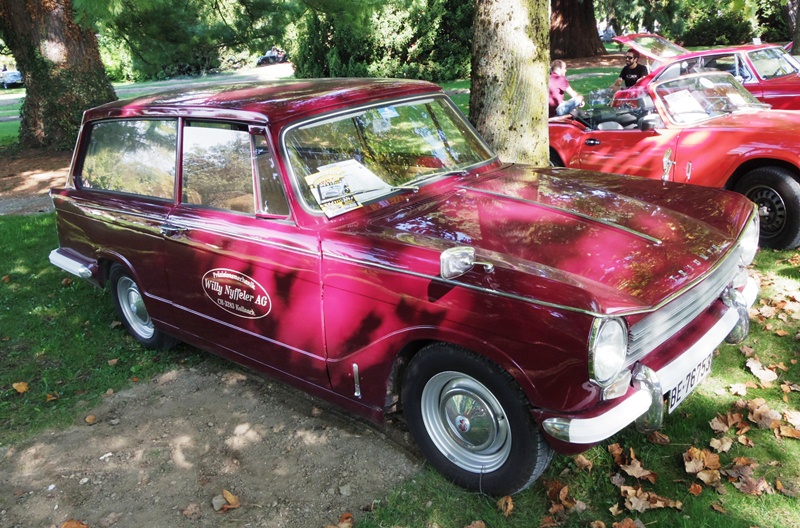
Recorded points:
668,320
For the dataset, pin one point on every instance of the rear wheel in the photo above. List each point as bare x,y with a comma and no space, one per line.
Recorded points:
130,307
777,195
472,422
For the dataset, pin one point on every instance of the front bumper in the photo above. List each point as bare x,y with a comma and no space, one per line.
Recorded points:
645,399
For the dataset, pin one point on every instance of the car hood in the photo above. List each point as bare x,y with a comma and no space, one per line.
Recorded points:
590,241
654,47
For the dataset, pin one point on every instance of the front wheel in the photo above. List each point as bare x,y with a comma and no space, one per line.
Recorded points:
130,307
472,422
777,195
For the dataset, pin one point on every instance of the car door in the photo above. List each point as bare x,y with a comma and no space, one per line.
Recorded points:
125,180
646,153
244,279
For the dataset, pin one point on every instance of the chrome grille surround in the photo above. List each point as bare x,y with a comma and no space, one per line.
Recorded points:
658,327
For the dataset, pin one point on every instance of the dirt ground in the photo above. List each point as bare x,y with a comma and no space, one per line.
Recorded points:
157,455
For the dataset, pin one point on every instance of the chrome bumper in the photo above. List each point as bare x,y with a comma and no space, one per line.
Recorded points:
646,405
69,264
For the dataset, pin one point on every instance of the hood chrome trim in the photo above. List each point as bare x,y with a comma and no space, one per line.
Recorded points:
607,223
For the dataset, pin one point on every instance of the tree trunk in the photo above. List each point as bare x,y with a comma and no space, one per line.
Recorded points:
61,66
508,98
573,30
791,9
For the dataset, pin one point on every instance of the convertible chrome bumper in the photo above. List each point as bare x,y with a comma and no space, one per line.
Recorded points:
646,405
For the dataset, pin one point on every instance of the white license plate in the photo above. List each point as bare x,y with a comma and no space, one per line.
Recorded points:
689,382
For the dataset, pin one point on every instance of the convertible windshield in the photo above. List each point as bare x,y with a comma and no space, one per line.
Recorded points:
341,162
773,62
698,97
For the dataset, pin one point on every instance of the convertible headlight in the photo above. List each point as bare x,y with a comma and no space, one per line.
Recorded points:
749,241
607,348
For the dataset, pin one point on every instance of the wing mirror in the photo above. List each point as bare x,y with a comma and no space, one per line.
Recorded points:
458,260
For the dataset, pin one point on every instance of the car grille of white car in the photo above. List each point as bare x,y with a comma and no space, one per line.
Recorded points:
658,327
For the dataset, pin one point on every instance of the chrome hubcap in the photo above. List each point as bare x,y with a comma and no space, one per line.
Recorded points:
132,304
771,209
466,422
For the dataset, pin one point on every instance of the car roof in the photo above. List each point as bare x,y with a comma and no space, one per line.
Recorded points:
262,102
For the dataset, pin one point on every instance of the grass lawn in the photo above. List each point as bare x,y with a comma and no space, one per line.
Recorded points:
60,338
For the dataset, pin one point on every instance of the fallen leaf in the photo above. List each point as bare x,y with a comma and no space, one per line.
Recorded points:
752,486
72,523
695,489
658,438
739,389
617,454
709,476
635,469
112,362
346,520
21,387
746,441
766,376
51,397
233,500
636,499
615,510
719,424
793,417
583,463
789,432
546,522
597,524
721,445
66,282
6,279
505,505
628,523
90,419
717,507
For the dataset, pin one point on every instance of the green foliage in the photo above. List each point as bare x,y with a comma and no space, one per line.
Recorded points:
424,39
725,29
116,57
164,39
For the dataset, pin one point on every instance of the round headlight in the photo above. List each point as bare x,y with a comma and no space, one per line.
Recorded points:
749,240
607,350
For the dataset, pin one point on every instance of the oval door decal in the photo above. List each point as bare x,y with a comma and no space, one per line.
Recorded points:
236,293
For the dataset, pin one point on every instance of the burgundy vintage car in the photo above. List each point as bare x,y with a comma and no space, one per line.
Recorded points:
766,70
702,128
358,239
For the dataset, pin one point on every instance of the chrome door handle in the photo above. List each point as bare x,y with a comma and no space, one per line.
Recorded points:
592,142
172,231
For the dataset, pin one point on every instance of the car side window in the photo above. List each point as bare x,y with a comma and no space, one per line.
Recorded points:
131,156
273,196
217,166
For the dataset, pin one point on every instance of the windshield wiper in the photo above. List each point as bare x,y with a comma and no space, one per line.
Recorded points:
405,188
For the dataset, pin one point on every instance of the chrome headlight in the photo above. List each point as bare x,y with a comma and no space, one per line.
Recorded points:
607,348
749,240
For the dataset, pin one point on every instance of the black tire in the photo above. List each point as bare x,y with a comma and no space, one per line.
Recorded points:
777,195
555,160
130,306
496,447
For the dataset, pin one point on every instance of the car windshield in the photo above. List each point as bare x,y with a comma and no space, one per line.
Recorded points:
773,62
338,163
699,97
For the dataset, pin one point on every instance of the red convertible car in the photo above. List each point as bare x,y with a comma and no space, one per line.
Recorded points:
767,71
357,238
700,128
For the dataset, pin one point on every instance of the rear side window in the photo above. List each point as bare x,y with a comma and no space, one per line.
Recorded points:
132,156
218,167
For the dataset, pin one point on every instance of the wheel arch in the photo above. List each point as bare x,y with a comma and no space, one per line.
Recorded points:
758,163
